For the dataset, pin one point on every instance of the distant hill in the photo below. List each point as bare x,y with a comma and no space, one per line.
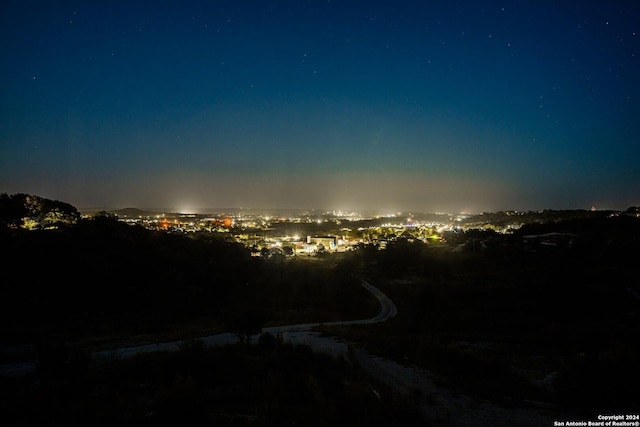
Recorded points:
502,218
134,212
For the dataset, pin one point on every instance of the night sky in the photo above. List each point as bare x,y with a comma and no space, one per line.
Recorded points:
434,106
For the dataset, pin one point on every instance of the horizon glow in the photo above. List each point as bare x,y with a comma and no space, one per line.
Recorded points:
387,106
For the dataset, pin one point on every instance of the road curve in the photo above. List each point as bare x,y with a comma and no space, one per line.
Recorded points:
387,311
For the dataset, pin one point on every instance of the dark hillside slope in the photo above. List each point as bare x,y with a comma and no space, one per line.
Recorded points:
101,268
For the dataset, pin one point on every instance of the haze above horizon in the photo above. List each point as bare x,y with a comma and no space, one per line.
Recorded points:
434,106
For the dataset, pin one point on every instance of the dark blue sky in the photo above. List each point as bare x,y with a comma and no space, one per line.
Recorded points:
387,105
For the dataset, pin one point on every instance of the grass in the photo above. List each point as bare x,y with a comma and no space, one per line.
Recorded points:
513,326
502,324
285,292
267,384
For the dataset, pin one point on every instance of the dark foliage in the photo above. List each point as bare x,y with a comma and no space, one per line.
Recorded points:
491,314
552,322
264,385
100,277
15,208
103,268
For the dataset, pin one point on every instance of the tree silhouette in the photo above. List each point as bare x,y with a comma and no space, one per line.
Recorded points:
288,250
12,210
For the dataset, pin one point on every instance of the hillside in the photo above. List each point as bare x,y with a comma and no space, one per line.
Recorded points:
100,280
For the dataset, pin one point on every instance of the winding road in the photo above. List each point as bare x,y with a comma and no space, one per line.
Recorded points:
439,405
295,333
387,311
